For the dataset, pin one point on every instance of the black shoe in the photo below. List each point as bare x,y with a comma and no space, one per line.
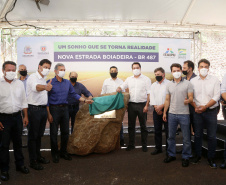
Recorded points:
144,148
195,160
212,163
66,156
122,144
43,160
169,159
223,165
156,152
185,162
23,169
130,147
36,166
55,158
4,176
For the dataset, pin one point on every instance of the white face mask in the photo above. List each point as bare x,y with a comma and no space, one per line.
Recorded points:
10,75
136,72
177,75
61,74
204,72
45,72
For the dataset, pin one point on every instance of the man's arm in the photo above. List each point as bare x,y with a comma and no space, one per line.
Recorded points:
147,103
46,87
166,106
25,118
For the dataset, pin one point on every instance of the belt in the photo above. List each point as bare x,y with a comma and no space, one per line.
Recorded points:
208,109
40,106
73,105
60,105
11,115
137,103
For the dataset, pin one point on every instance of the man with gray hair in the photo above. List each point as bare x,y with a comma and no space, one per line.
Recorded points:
58,111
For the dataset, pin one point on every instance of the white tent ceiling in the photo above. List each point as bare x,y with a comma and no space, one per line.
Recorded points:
206,13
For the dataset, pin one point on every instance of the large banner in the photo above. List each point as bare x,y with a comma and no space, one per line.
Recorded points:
92,57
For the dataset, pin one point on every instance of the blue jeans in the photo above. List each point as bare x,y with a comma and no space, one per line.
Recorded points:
184,121
60,117
209,119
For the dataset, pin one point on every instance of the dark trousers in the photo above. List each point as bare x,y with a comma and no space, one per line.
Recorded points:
60,117
224,114
134,110
72,109
12,131
158,121
192,111
37,122
209,120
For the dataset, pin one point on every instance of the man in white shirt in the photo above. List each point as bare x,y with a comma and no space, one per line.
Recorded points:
223,94
110,85
139,90
37,98
157,99
206,97
12,101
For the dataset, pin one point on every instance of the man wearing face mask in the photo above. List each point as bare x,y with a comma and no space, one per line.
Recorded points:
110,85
206,97
139,90
179,93
157,99
37,97
58,111
12,101
73,104
23,74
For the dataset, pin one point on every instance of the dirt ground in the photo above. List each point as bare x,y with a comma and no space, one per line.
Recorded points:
117,168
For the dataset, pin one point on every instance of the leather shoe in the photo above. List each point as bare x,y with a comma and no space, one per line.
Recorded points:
122,144
169,159
4,176
144,148
43,160
156,152
185,162
129,148
36,166
55,158
212,163
223,165
23,169
195,160
66,156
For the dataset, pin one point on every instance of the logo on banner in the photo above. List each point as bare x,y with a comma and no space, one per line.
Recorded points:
43,50
27,51
182,53
169,53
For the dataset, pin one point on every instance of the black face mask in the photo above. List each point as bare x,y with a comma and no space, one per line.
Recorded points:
23,73
158,78
113,75
73,80
184,72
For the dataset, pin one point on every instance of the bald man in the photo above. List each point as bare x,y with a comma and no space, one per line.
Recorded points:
23,76
73,104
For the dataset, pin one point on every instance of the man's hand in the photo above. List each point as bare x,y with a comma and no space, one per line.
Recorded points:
89,101
119,89
158,108
49,86
50,118
159,113
164,117
186,101
25,121
1,126
200,109
145,108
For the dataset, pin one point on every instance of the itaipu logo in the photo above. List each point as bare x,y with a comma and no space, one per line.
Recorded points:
182,53
43,48
169,53
27,50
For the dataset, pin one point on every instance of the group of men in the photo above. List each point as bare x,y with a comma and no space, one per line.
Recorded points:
190,101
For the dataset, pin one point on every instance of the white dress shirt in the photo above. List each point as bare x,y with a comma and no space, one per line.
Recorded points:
223,85
205,90
12,96
35,97
110,85
139,88
158,92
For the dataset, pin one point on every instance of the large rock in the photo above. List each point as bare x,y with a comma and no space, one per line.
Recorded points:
99,135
